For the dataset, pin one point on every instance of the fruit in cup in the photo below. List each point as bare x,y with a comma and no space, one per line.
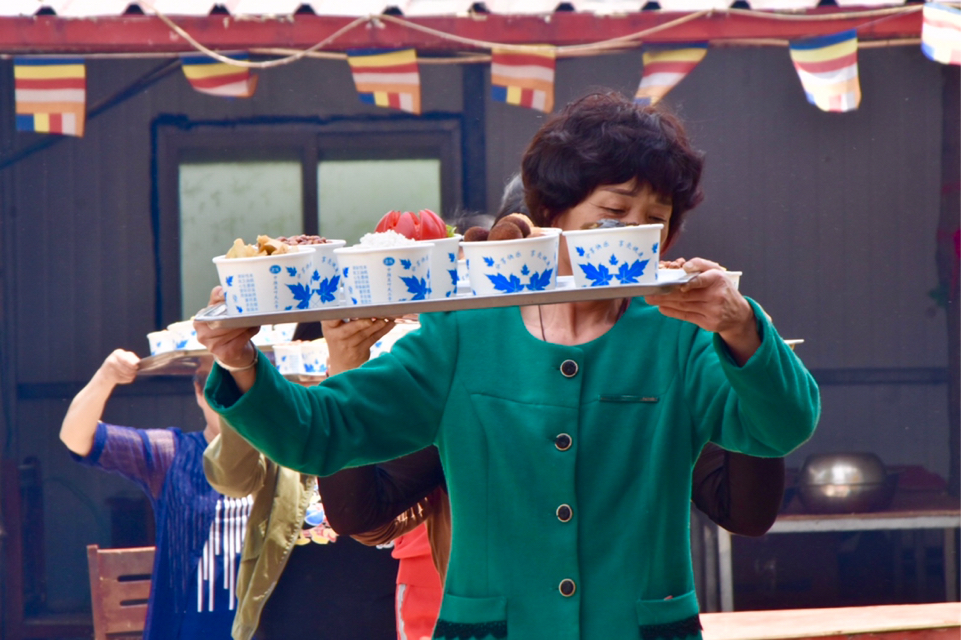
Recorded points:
476,234
424,225
505,231
513,226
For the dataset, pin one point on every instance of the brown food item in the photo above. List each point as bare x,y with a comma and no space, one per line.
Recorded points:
476,234
672,264
302,239
266,246
523,222
270,246
505,230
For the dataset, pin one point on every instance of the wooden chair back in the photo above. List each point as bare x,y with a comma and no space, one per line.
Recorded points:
119,589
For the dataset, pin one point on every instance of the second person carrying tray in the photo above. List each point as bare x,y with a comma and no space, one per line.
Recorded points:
565,291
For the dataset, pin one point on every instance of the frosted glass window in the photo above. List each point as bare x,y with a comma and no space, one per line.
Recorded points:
221,201
354,194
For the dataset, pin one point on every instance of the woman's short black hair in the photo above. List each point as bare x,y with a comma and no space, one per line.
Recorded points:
603,139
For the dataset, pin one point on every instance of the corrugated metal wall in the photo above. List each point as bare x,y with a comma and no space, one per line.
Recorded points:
832,218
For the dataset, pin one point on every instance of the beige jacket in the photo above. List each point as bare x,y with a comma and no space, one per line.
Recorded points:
281,496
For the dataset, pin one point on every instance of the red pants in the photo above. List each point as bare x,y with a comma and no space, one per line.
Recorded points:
417,610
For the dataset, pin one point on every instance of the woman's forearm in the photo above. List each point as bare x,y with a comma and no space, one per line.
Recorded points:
364,499
80,423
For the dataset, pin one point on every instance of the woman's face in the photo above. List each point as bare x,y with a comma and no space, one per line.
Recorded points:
626,202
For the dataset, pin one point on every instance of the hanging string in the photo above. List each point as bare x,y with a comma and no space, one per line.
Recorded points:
600,47
619,44
484,44
246,63
847,15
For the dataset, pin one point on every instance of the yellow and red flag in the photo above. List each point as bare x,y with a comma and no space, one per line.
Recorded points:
50,95
387,78
216,78
828,69
524,78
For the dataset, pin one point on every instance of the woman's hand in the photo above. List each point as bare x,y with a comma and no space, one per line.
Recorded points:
79,425
349,342
120,367
711,301
230,346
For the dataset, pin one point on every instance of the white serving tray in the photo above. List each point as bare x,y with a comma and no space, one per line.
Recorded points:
668,279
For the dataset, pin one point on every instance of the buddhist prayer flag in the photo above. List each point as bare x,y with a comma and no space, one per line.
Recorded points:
217,78
664,68
50,95
524,78
941,33
387,78
828,68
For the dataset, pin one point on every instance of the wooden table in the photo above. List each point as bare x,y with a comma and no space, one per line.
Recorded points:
908,510
940,621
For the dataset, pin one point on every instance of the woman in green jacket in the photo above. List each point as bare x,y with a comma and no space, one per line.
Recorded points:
567,432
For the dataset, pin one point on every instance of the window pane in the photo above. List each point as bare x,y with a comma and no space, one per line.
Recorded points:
355,194
221,201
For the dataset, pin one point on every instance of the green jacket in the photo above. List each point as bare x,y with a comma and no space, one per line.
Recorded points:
281,497
569,485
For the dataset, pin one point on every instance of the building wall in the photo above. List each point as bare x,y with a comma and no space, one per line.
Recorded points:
831,217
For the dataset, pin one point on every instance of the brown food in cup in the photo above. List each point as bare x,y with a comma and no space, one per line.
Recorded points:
302,239
505,230
525,224
476,234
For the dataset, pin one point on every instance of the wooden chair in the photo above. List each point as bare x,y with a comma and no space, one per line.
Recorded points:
119,589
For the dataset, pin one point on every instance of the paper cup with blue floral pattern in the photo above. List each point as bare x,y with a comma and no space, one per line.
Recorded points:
266,284
160,341
313,356
325,280
288,358
512,266
184,336
381,275
614,256
443,267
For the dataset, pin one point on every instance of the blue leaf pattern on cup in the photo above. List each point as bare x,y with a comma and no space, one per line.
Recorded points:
316,276
417,286
613,260
301,293
505,284
580,251
628,274
598,275
328,289
654,248
525,270
230,281
488,261
292,272
540,281
405,263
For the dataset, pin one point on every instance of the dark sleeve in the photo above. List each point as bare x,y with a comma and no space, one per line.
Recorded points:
741,493
361,499
141,455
